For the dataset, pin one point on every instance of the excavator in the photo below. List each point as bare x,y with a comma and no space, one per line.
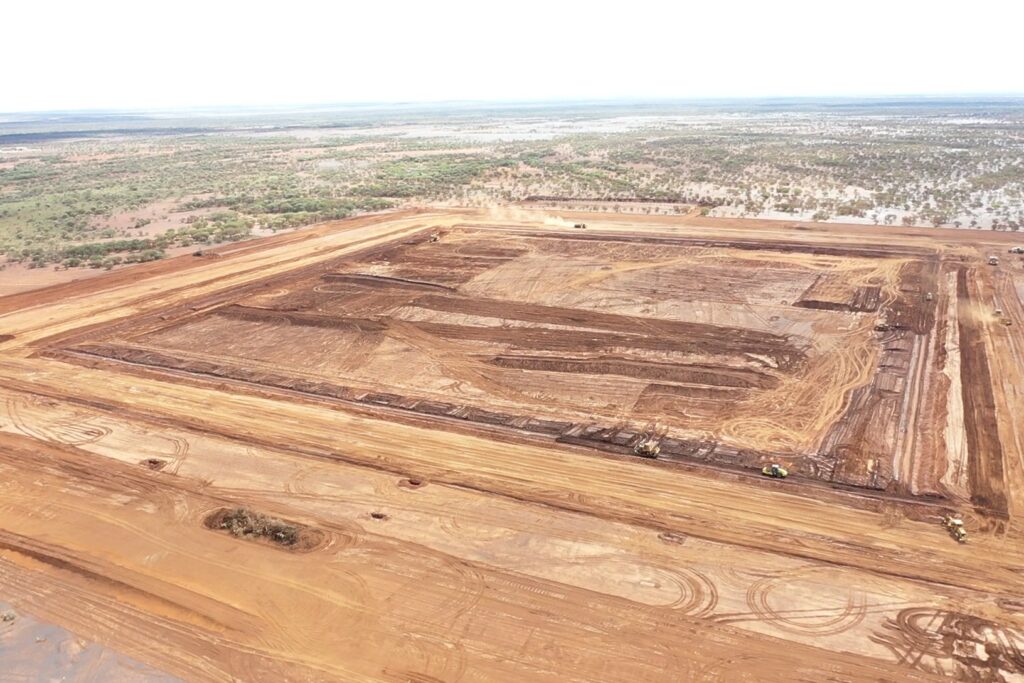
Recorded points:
775,471
955,526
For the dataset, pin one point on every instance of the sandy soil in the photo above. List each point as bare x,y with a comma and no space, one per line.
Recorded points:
162,215
16,278
452,548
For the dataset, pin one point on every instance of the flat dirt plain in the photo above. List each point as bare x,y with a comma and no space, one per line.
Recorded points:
446,403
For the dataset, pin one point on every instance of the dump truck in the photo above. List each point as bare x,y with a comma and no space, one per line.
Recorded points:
1017,250
993,260
647,447
775,471
955,526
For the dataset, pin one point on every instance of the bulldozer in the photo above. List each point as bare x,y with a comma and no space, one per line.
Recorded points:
775,471
955,526
647,447
649,443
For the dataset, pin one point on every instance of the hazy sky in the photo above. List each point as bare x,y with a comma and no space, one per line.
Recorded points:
102,53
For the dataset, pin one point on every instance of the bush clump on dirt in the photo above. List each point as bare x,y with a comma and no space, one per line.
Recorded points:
247,523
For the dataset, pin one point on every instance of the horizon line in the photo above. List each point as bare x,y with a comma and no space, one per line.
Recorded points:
611,100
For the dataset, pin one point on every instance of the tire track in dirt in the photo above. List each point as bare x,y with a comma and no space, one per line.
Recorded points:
66,431
698,595
429,659
764,593
962,646
816,622
180,453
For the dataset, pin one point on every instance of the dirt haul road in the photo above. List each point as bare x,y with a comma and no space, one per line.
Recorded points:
444,407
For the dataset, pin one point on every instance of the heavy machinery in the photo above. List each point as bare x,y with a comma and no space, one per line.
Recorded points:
775,471
882,326
434,237
647,447
993,260
1017,250
581,226
929,296
955,526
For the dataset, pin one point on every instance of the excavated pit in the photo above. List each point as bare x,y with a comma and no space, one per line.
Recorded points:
737,353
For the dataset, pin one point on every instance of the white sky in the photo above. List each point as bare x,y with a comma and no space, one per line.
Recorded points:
87,54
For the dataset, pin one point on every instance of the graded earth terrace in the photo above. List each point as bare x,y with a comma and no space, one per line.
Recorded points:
404,447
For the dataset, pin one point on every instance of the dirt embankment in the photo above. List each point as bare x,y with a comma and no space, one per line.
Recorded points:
984,447
686,374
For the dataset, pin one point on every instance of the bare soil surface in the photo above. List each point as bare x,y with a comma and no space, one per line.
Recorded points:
17,278
449,426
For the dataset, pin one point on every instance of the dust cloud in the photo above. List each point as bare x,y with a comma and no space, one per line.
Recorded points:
498,212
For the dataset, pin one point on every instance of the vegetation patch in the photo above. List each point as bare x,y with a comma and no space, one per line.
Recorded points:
246,523
251,525
64,201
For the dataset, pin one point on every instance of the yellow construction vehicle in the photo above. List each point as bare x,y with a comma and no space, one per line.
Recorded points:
775,471
955,526
647,447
